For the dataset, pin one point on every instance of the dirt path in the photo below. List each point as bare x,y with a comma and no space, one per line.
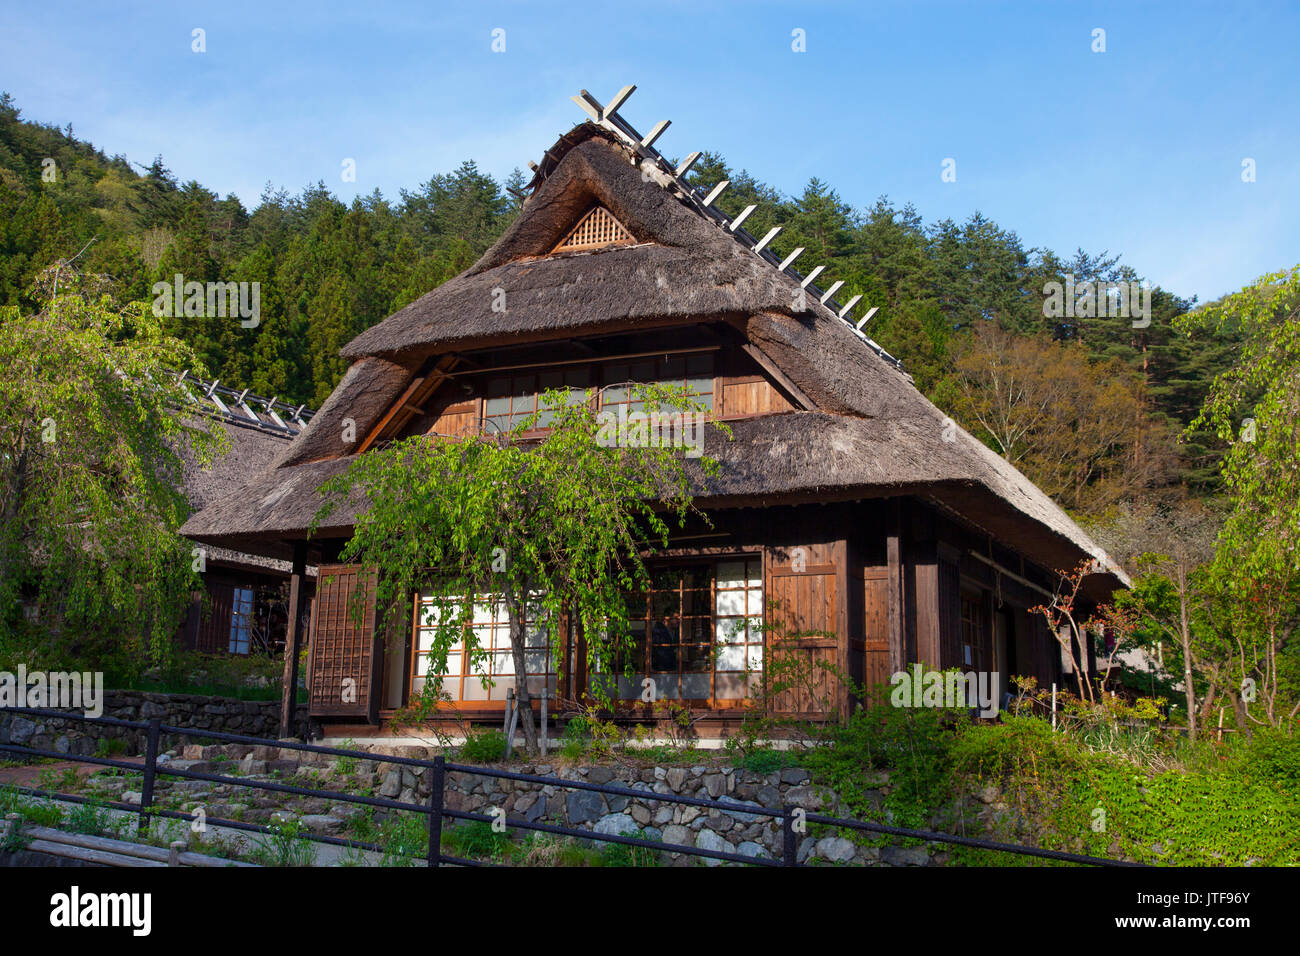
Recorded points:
29,775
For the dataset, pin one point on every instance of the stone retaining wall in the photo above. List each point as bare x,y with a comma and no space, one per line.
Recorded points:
253,718
753,832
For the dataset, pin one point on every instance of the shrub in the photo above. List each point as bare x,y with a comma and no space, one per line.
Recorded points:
484,746
1271,756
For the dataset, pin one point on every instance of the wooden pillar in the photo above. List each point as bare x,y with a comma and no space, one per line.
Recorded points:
845,619
580,663
293,638
894,558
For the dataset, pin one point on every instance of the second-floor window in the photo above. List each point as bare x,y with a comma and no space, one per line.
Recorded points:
511,398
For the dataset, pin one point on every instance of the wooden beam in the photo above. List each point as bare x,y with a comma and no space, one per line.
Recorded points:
654,134
619,99
894,558
759,356
415,392
771,234
785,263
293,637
835,287
808,279
584,361
716,191
852,302
744,214
589,105
870,312
687,163
375,432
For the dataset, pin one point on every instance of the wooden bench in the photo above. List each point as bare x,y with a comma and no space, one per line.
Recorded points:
103,851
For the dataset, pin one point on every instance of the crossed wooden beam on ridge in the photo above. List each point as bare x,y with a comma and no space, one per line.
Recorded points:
607,116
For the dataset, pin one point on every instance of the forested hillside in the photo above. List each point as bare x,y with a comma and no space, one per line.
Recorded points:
1090,408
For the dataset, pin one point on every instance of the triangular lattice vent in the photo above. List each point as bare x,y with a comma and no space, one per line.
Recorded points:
597,228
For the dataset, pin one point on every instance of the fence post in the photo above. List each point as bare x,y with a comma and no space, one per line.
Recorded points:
150,771
435,810
543,741
789,847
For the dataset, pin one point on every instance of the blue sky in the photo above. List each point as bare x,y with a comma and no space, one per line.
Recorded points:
1137,150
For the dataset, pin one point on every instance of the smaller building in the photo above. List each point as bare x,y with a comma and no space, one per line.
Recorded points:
243,607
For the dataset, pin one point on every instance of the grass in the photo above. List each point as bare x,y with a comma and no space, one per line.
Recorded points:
42,813
404,840
284,846
95,819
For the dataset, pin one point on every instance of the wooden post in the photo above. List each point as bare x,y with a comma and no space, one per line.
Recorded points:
894,557
435,810
543,738
513,708
150,772
293,639
579,689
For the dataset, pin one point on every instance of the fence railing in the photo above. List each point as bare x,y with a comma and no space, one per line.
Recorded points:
793,819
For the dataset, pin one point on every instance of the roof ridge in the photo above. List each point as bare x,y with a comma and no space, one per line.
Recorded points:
235,406
672,178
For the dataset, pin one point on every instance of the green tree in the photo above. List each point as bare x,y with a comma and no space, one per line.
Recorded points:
1255,406
561,525
91,439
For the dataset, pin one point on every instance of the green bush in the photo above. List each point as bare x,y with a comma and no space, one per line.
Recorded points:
911,743
1066,797
1271,756
483,746
769,761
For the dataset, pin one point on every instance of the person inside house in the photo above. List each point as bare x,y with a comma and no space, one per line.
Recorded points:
664,638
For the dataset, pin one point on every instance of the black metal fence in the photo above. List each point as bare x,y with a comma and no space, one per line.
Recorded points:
793,819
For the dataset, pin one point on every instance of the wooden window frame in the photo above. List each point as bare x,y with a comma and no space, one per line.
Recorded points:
498,644
241,619
754,635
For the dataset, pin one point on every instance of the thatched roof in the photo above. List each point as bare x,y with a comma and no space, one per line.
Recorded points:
683,267
253,451
869,433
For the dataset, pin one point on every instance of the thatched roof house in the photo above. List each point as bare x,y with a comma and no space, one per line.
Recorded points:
615,260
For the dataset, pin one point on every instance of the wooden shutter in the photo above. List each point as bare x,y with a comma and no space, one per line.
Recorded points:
214,628
875,668
806,601
343,649
949,599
